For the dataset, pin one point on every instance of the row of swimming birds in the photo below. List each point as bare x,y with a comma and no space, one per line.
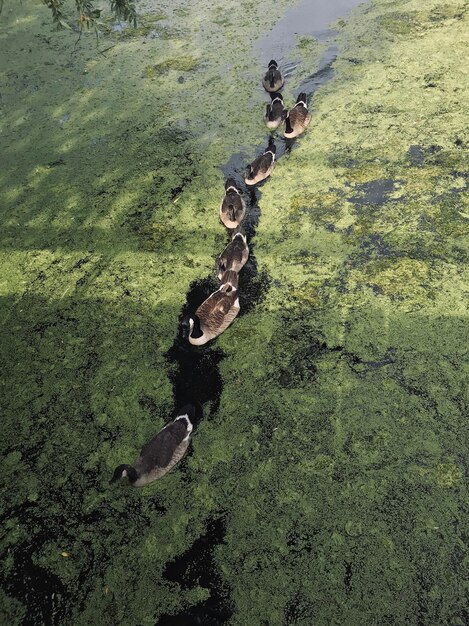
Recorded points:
219,310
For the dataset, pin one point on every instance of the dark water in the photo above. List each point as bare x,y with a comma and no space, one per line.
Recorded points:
40,590
374,192
197,567
306,18
418,154
195,370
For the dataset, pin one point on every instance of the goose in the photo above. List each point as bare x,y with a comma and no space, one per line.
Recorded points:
160,454
273,79
234,256
275,111
261,167
230,277
233,207
214,315
297,118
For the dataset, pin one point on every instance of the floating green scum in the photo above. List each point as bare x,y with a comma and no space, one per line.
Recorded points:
328,485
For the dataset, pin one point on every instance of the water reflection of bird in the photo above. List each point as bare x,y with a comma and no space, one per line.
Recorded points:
234,256
297,118
215,314
160,454
273,79
233,207
275,111
261,167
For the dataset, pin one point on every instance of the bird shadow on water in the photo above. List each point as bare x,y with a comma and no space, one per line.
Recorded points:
194,370
196,567
195,376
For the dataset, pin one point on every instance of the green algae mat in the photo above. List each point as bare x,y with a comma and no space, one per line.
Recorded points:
327,481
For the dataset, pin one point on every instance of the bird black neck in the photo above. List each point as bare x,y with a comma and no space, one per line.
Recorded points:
131,473
196,330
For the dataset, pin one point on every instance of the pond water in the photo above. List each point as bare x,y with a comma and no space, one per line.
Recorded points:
326,479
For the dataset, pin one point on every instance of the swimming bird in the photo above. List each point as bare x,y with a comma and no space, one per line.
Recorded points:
273,79
297,118
234,256
160,454
233,207
275,111
214,315
230,277
261,167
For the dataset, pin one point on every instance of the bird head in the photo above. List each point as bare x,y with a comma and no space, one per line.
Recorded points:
122,471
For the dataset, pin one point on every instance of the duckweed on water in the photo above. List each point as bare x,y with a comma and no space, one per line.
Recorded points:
336,459
181,64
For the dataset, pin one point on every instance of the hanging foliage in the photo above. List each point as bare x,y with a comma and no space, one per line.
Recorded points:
88,14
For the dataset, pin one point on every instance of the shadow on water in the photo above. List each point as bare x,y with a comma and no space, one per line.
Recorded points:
195,372
196,568
195,376
40,590
374,192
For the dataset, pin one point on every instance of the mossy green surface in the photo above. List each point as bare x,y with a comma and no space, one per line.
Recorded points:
338,455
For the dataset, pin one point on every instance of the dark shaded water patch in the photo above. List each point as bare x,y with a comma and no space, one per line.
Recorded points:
307,19
296,366
202,614
196,567
298,610
348,578
372,247
38,589
375,245
196,377
46,598
375,192
418,154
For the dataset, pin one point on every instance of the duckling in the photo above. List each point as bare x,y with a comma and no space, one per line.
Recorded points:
160,454
275,111
297,118
233,207
261,167
273,79
214,315
234,256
